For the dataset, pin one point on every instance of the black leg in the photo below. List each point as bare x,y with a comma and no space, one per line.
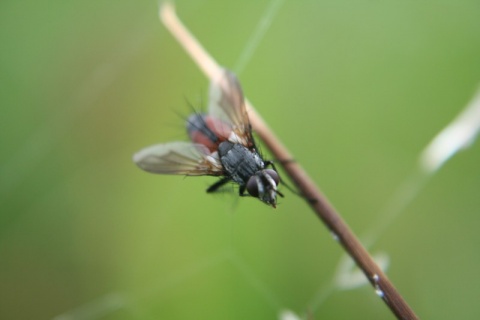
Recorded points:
214,187
242,193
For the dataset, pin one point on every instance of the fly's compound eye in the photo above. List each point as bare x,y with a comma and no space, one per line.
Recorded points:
272,173
260,183
252,186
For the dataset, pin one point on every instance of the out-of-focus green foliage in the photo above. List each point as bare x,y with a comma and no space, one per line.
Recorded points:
356,89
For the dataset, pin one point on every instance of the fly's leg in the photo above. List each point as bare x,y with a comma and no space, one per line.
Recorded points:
241,191
214,187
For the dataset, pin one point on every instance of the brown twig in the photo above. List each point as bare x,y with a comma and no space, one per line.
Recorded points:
323,209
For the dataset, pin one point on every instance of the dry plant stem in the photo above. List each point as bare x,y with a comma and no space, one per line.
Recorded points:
302,181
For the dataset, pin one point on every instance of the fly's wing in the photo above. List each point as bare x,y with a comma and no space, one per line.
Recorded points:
227,104
183,158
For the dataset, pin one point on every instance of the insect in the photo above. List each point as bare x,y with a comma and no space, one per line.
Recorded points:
221,145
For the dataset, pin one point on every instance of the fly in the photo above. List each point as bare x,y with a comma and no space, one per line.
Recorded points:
221,144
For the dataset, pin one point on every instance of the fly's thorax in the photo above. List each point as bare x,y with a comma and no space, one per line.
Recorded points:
239,162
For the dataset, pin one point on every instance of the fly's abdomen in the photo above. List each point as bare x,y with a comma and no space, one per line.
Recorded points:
206,130
239,162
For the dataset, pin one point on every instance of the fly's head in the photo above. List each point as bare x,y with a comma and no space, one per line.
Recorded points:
263,185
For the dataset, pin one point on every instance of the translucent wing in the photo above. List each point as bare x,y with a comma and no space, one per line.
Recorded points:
178,158
227,104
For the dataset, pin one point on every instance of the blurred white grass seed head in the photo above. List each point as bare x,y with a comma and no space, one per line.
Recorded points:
288,315
458,135
349,276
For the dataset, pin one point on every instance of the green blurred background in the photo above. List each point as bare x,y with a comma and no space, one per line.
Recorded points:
355,89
